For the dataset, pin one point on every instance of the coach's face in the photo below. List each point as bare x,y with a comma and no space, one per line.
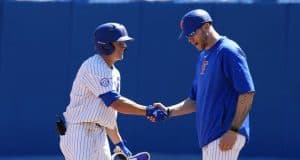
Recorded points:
199,38
120,48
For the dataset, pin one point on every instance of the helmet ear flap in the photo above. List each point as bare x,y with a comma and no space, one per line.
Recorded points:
105,48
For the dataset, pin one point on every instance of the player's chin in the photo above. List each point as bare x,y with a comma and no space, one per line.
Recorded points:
199,48
120,56
118,59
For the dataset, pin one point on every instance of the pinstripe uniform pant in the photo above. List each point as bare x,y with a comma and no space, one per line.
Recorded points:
212,151
85,141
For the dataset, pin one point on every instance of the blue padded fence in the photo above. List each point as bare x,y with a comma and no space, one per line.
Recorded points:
43,44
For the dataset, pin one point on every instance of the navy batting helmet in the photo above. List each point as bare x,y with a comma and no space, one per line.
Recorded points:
107,33
193,20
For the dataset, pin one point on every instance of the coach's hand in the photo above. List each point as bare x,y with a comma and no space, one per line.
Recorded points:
228,140
121,146
161,106
155,114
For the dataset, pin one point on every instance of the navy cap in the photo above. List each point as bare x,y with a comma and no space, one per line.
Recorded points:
193,20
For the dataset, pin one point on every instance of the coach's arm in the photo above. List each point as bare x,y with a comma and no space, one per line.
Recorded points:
186,106
243,107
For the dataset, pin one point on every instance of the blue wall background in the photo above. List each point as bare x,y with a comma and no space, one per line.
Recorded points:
43,44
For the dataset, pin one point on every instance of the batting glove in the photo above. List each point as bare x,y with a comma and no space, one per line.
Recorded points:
157,113
121,146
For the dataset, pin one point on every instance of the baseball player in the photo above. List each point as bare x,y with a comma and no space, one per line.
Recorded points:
222,90
95,100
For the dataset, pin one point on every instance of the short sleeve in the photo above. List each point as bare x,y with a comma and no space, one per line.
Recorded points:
97,79
110,97
236,70
193,92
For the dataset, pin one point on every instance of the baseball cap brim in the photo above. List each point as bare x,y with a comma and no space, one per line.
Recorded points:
187,33
190,28
125,38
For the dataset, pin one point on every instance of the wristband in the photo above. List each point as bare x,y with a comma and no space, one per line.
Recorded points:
234,129
168,112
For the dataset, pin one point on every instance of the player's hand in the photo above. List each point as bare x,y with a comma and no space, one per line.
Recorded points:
228,140
155,114
162,107
120,147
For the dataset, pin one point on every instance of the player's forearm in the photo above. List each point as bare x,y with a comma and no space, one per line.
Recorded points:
127,106
185,107
243,107
114,135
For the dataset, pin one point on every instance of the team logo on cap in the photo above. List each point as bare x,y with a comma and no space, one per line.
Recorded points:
104,82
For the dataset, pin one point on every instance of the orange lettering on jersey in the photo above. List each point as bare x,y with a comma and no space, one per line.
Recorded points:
203,67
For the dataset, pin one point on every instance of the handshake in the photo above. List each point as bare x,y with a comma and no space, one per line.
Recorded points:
156,114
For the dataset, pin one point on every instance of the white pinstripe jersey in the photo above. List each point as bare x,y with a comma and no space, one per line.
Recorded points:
94,78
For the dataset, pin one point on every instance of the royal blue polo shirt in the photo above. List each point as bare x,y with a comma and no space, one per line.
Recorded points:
222,74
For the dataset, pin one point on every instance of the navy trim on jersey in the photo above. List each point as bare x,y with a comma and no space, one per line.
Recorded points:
109,97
